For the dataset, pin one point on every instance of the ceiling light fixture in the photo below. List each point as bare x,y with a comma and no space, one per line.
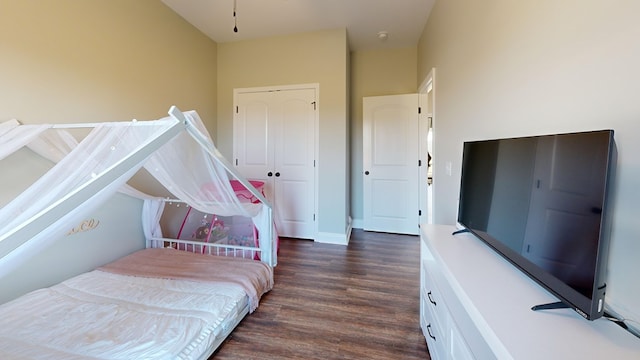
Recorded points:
383,35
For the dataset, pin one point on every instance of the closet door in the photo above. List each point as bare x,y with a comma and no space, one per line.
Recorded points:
274,141
253,152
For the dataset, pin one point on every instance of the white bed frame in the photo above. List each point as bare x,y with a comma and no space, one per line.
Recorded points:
17,236
13,239
198,247
226,332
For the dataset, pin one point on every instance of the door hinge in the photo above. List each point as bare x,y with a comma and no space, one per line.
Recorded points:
236,162
419,110
419,212
314,105
419,162
314,217
236,109
314,163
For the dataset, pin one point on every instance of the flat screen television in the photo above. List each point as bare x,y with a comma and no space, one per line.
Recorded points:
542,203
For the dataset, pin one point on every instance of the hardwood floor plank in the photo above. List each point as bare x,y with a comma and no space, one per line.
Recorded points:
335,302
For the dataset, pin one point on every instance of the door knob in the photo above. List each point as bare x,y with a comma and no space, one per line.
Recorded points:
366,172
277,174
269,174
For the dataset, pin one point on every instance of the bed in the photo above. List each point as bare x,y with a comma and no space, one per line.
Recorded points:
162,302
157,303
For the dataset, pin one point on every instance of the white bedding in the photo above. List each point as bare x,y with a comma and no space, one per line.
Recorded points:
101,315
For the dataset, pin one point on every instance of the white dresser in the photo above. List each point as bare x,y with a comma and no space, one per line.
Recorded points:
474,304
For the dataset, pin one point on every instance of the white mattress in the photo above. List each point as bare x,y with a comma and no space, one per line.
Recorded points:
101,315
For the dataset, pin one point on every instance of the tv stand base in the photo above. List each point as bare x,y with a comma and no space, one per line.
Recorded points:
461,231
550,306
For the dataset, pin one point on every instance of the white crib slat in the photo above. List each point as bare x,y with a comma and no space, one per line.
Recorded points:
218,249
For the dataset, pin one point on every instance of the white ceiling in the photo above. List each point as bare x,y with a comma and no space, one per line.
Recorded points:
404,20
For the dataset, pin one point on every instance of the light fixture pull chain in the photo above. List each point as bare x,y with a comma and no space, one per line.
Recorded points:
235,19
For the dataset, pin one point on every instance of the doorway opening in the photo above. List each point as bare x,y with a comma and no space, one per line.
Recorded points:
426,195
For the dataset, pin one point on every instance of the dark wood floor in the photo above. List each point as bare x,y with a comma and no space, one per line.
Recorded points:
337,302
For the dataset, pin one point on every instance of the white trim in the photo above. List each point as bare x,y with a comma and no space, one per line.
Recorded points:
236,91
349,229
427,202
428,80
333,238
316,181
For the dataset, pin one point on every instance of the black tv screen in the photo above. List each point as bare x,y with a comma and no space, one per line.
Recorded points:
541,202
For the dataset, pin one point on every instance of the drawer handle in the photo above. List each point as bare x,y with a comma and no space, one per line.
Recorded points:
429,332
430,298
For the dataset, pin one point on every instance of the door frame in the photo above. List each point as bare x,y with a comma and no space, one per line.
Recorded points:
316,147
427,101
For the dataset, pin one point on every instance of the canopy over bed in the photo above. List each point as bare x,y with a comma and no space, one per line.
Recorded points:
176,150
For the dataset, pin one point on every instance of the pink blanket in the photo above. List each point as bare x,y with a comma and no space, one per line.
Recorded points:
255,277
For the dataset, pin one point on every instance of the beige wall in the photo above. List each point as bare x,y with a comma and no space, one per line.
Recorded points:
117,233
93,61
512,68
316,57
101,60
374,73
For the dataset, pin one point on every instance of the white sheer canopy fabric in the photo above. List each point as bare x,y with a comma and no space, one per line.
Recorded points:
195,176
190,172
14,136
46,142
104,147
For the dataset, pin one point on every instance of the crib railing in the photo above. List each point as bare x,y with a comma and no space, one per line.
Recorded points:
220,249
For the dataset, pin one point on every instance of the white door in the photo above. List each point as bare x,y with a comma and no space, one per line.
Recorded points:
274,141
563,205
390,164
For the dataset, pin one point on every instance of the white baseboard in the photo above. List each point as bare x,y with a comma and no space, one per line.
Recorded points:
332,238
335,238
